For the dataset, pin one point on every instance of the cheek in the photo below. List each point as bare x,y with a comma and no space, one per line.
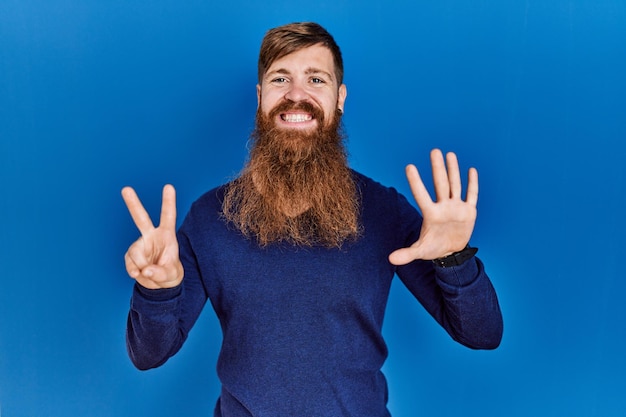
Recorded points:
330,105
268,102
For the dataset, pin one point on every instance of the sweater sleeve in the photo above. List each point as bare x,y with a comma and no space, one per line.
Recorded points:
160,320
462,298
152,333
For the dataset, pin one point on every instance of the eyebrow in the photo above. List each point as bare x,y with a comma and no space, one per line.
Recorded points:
308,71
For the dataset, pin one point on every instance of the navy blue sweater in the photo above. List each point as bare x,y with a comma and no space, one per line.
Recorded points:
302,326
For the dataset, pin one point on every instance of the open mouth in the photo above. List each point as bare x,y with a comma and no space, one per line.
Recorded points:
296,117
302,115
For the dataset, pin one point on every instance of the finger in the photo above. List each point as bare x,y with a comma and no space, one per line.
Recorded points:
137,211
168,208
138,254
454,175
472,187
440,176
420,193
131,268
145,277
135,259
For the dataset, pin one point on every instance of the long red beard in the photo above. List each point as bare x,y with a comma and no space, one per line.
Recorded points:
296,186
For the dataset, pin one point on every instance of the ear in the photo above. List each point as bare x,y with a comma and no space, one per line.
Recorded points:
258,95
341,97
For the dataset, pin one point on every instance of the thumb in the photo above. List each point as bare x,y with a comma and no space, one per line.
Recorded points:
403,256
154,273
161,276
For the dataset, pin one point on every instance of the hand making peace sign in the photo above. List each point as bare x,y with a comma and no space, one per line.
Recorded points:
153,259
448,221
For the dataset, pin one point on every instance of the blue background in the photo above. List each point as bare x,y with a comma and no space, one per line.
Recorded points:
95,95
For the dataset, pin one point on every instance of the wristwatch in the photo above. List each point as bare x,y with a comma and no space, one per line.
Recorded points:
457,258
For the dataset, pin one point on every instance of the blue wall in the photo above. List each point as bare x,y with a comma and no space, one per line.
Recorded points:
95,95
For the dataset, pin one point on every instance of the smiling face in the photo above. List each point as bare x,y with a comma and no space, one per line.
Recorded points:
302,90
297,186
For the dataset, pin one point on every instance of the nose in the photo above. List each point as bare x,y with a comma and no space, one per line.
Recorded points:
296,93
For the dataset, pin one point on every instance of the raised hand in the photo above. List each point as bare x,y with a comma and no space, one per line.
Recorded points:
448,221
153,259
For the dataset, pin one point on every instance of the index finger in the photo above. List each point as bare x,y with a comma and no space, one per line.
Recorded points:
420,193
137,211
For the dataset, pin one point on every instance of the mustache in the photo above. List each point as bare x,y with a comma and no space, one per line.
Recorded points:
304,106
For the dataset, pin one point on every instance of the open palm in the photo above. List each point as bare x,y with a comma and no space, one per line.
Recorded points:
449,221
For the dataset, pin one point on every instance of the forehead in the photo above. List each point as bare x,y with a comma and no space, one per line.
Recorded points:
311,58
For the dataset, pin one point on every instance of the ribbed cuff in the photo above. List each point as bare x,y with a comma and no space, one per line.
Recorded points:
461,275
162,294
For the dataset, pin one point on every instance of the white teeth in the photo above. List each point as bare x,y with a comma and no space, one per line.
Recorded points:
296,118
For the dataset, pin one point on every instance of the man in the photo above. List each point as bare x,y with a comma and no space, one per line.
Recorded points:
298,253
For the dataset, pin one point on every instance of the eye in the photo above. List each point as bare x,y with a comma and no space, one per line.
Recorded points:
317,80
279,80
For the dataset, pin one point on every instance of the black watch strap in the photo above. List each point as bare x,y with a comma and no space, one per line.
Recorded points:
457,258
